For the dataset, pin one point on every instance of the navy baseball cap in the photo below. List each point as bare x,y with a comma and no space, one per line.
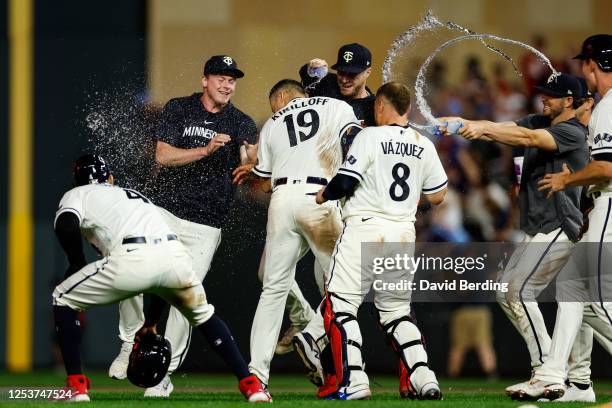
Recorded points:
222,65
599,49
561,86
353,58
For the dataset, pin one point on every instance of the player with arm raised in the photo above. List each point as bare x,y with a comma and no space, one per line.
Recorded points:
141,253
384,174
299,151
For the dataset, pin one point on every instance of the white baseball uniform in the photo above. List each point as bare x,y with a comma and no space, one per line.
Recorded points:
299,149
393,165
141,253
202,242
596,313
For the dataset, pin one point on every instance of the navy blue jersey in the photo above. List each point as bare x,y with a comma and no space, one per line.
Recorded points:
201,191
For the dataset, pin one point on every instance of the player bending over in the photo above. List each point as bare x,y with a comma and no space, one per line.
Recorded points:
384,186
141,254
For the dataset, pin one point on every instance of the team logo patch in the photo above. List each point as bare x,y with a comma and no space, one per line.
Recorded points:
348,56
228,60
351,159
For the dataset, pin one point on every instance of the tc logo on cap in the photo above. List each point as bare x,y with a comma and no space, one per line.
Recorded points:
348,56
228,60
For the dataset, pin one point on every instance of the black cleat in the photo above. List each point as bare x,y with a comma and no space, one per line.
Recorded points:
432,394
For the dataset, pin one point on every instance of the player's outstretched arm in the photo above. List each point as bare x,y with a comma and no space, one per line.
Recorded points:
510,134
168,155
595,172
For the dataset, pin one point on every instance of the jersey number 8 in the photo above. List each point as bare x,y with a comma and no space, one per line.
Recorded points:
312,124
399,182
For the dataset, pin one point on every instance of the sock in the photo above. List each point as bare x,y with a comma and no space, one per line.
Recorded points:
68,330
581,386
220,338
327,360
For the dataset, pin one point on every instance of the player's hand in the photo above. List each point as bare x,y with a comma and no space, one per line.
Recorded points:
445,120
243,174
320,199
472,130
216,143
250,152
317,68
554,182
144,331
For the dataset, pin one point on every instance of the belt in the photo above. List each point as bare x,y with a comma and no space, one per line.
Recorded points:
309,180
143,240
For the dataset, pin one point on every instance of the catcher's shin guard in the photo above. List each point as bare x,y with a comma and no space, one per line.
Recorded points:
408,343
339,341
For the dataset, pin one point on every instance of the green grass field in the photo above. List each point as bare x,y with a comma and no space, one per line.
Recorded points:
210,390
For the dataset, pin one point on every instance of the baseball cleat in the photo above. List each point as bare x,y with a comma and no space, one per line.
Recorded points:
118,369
430,391
161,390
253,390
77,386
310,354
512,389
285,344
329,387
536,389
575,394
358,392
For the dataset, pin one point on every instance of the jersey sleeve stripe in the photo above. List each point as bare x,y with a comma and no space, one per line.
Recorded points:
348,125
350,173
262,173
435,189
68,209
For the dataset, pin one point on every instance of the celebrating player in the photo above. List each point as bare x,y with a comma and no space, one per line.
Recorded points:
551,226
549,380
353,67
384,186
299,150
141,254
198,145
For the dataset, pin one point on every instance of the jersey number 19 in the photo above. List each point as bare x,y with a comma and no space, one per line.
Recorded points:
312,124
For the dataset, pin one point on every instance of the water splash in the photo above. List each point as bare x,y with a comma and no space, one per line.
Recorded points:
429,23
420,81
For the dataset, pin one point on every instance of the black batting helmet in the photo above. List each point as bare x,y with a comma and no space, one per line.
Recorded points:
90,169
149,361
599,49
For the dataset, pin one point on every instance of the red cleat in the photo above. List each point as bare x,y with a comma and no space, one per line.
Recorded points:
253,390
406,389
329,387
76,388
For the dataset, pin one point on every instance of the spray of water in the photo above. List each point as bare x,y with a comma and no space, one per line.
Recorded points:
420,81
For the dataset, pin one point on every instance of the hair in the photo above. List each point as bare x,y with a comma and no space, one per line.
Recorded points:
397,94
577,102
287,85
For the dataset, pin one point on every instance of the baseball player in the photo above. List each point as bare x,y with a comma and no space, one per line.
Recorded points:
353,67
549,379
551,226
199,140
386,170
299,150
141,253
